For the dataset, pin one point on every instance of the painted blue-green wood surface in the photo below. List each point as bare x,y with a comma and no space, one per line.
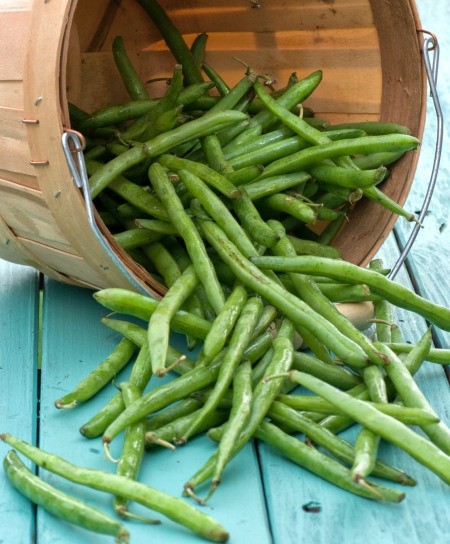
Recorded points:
261,497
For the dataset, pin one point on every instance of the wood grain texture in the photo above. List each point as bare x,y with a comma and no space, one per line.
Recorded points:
18,384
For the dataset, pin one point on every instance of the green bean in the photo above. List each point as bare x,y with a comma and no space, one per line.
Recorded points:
133,84
337,375
374,127
198,48
375,160
309,247
438,356
142,306
291,205
347,272
173,431
194,243
214,155
100,376
204,172
114,115
174,508
171,413
364,145
276,184
329,232
340,448
58,503
133,238
162,143
347,177
375,194
412,396
159,325
299,312
174,40
239,341
269,153
249,141
214,206
252,222
156,225
386,426
238,419
224,323
130,459
292,96
383,312
344,293
219,83
245,175
192,92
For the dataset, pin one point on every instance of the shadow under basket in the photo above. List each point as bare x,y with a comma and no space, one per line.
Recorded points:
60,52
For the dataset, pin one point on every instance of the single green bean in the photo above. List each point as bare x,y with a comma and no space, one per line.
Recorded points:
133,448
159,328
133,84
276,184
224,323
174,40
100,376
58,503
198,47
219,83
238,419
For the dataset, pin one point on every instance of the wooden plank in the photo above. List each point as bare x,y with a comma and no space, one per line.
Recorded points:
14,28
74,342
11,93
18,383
26,212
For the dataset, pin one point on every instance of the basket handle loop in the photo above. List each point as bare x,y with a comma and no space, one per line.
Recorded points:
73,145
430,47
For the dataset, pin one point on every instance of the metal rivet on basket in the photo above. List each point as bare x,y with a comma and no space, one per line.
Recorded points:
38,100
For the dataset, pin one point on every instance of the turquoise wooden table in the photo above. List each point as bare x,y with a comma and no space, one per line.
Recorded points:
260,500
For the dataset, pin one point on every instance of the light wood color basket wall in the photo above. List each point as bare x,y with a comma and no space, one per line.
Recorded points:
56,51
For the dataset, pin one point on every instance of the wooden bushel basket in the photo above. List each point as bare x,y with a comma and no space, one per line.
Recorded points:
54,52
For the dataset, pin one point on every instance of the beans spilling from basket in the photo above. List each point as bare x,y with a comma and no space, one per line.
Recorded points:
217,192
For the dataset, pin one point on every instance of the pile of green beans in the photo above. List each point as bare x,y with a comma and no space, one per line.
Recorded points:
216,189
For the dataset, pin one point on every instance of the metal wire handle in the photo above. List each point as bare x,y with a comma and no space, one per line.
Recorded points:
73,145
430,46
